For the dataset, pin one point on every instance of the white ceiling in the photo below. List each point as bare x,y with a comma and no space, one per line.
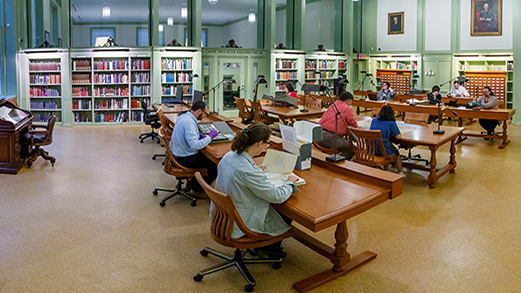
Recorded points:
138,10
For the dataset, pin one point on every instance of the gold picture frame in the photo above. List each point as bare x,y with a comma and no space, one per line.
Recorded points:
491,22
395,21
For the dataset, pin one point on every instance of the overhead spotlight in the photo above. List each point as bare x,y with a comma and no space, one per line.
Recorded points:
251,17
160,27
170,20
105,12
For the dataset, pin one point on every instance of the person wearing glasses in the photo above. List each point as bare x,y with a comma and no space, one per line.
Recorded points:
386,93
250,189
187,141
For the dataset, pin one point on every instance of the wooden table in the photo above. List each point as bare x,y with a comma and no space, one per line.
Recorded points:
178,108
288,115
423,135
334,193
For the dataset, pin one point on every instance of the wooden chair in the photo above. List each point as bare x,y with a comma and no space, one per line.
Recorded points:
244,111
314,104
261,116
172,167
375,112
329,151
224,217
165,132
39,138
366,148
417,119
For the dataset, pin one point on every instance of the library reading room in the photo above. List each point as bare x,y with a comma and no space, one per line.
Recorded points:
260,146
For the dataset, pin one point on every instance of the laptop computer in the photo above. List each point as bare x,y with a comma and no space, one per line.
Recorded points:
372,96
226,134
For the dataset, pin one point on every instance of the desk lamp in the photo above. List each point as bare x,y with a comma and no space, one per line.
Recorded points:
260,80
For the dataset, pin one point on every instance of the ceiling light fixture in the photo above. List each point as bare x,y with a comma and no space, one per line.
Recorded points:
105,12
213,1
251,17
184,12
170,20
161,28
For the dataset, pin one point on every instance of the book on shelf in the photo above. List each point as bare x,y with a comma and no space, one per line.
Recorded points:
111,104
142,90
81,117
138,104
43,105
111,92
138,116
44,79
111,65
286,64
41,116
80,78
140,64
81,104
171,90
176,77
80,91
112,117
176,64
43,92
141,77
286,75
110,78
327,64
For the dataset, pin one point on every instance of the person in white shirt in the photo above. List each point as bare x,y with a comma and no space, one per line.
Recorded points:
458,90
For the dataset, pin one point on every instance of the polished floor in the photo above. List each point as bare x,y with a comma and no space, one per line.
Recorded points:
91,224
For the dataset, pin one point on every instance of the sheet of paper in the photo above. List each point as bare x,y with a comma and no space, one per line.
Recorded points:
279,162
279,179
405,128
289,134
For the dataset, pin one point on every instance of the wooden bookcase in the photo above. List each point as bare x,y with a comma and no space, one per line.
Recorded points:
399,79
286,70
176,71
397,70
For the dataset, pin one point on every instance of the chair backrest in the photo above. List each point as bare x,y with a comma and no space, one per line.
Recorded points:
258,111
50,128
225,215
375,112
301,99
417,118
173,168
366,146
244,111
166,129
314,104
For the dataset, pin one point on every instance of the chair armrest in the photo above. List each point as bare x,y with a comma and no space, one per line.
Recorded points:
38,126
35,132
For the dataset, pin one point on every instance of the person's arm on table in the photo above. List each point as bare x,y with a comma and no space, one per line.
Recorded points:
192,137
262,187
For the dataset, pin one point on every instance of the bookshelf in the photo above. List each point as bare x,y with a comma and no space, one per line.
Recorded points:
493,70
140,87
397,70
310,68
325,68
176,71
286,70
44,76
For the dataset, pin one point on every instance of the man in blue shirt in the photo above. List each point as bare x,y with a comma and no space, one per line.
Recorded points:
187,141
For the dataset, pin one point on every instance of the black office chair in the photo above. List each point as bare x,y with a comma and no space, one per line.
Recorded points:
150,118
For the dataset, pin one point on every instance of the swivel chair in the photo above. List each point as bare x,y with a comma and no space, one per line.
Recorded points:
150,118
39,138
224,217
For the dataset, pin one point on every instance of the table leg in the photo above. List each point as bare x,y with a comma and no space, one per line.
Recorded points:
505,136
432,175
341,259
460,137
452,161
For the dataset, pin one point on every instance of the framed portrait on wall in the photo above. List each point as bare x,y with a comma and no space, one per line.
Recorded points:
486,18
395,22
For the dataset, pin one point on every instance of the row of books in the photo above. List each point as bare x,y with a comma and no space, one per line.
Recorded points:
176,77
137,116
81,78
342,65
44,66
112,104
44,78
81,117
111,65
400,65
140,64
81,105
286,75
138,104
140,77
172,90
311,64
42,117
327,74
310,74
176,64
112,117
326,83
43,92
143,90
81,65
111,92
280,87
327,64
39,105
284,64
111,78
80,91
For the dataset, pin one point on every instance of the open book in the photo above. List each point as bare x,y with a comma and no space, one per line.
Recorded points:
279,165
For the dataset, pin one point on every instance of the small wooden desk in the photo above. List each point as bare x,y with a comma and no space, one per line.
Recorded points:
423,135
290,114
332,194
12,148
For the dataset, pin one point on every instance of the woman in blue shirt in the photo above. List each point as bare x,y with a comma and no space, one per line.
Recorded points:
386,123
250,189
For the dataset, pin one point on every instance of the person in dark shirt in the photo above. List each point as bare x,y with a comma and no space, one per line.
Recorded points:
386,123
488,16
434,96
396,25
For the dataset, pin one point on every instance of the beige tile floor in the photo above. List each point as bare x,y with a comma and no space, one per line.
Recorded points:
91,224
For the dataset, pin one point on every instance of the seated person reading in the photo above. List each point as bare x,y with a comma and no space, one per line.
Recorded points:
187,141
434,96
290,91
488,101
386,123
328,125
251,190
386,93
458,90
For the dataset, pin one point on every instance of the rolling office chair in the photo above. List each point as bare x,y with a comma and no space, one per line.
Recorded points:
39,138
421,119
150,118
223,218
172,167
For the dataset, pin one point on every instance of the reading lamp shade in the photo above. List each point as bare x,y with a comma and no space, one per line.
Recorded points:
308,87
